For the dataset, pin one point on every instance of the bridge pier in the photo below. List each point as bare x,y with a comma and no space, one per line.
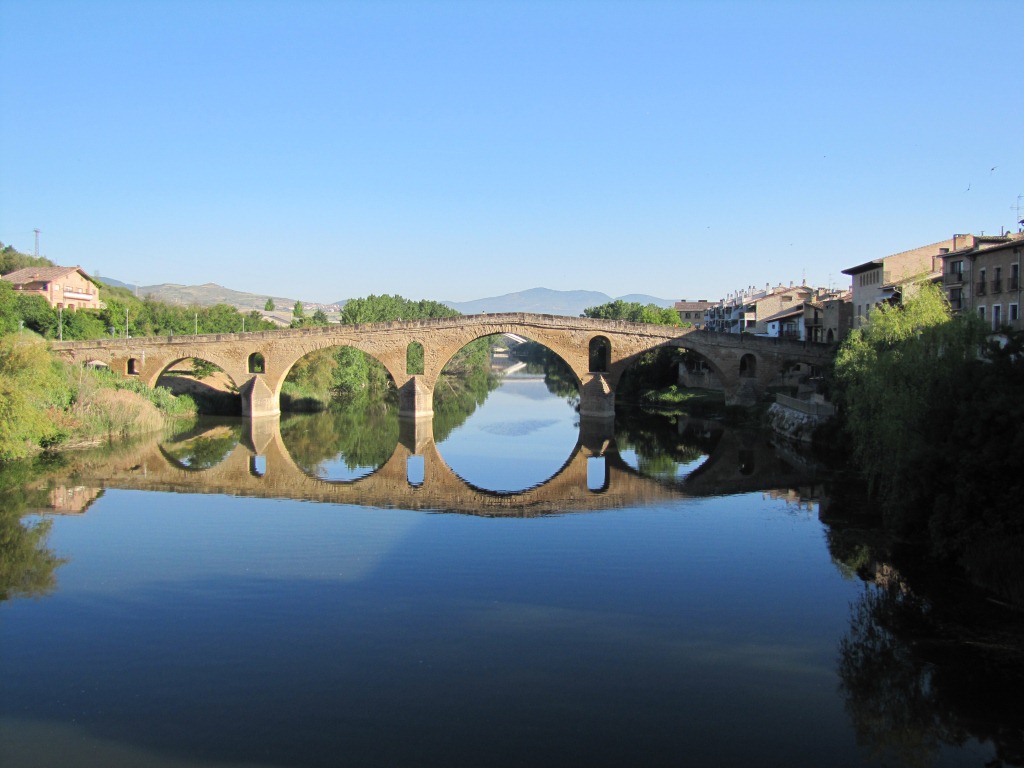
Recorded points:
744,392
416,399
415,433
597,435
259,400
597,398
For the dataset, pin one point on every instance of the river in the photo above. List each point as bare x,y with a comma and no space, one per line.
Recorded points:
511,590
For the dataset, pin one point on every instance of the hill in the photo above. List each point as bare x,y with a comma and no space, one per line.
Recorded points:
539,300
547,302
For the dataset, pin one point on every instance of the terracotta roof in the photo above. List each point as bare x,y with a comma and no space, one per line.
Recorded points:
39,274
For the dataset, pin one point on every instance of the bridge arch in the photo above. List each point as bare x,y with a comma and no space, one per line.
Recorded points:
153,370
288,357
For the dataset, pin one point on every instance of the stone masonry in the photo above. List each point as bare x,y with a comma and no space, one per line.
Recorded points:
258,363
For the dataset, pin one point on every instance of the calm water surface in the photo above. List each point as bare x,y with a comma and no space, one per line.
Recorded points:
191,628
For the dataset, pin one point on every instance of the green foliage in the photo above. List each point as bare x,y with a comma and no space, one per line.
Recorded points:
659,451
933,412
414,359
12,260
345,374
10,318
203,368
888,375
27,565
206,450
380,309
44,402
145,317
31,392
269,306
360,436
37,314
635,312
651,372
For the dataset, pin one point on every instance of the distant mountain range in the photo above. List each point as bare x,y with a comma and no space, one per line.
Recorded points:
545,301
538,300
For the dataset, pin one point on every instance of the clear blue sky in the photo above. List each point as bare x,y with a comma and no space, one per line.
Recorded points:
458,150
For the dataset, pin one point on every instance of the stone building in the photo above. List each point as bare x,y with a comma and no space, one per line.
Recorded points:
693,311
983,276
62,287
883,280
829,317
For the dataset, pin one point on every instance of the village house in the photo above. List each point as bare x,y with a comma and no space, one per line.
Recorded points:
829,317
883,280
693,311
759,311
822,317
62,287
982,275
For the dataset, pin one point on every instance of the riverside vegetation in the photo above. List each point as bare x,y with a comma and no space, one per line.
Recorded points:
932,409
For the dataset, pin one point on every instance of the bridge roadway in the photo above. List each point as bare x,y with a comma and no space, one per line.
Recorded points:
261,466
259,362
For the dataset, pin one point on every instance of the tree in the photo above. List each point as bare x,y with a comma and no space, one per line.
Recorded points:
634,311
10,318
12,260
269,306
932,411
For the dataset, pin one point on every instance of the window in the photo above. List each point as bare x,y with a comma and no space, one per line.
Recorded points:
996,316
1014,314
981,312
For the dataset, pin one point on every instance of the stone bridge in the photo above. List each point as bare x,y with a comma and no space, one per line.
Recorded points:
597,351
261,466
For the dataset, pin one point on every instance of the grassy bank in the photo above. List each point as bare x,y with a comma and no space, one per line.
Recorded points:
46,403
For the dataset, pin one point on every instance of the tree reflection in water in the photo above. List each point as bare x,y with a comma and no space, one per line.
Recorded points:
916,679
206,450
27,565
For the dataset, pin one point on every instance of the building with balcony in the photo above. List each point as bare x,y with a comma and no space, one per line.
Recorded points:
778,311
62,287
983,276
829,317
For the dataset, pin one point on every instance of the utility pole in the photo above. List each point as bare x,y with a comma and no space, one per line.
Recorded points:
60,322
37,242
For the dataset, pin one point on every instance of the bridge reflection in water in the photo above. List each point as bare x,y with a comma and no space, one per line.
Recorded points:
416,477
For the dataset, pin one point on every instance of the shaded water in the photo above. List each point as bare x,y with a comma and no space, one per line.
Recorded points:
523,592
